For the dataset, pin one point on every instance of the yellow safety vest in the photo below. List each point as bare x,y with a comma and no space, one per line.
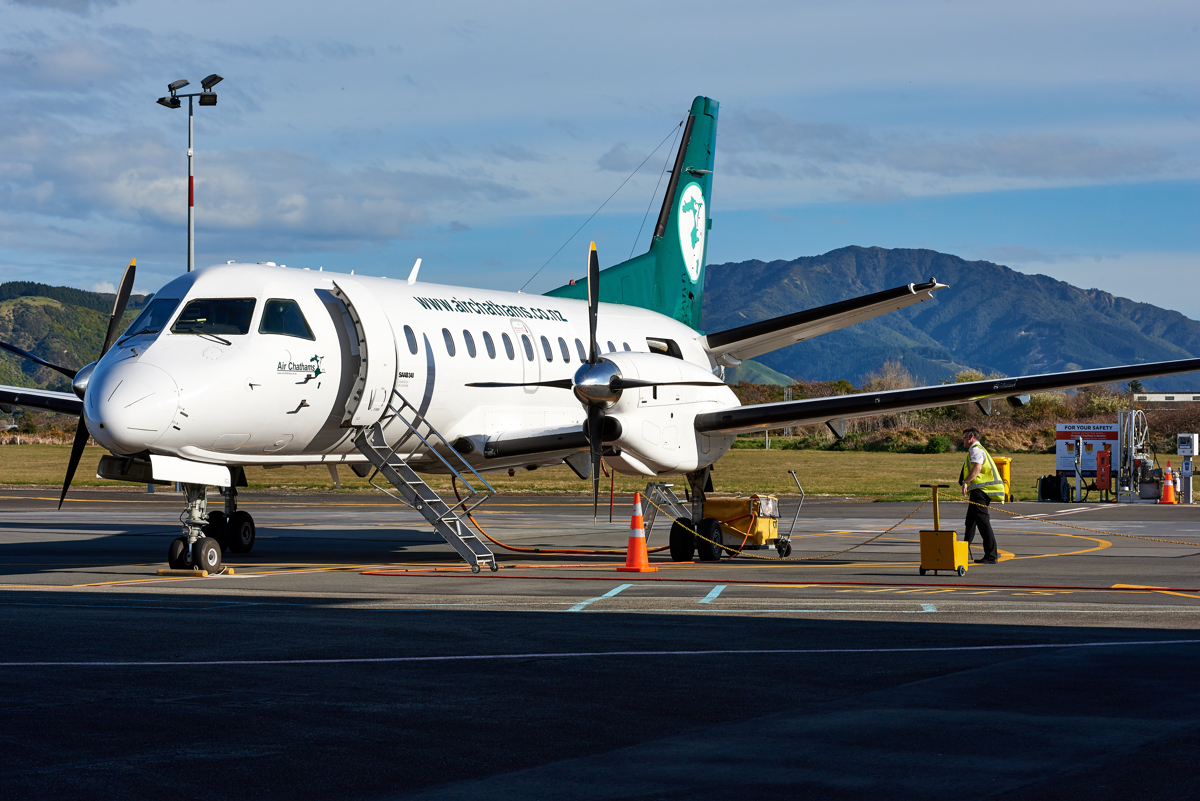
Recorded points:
988,479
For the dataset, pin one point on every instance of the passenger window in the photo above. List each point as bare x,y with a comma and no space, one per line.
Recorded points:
528,346
626,344
547,349
491,346
284,317
446,335
508,348
566,352
412,339
228,316
579,349
153,317
470,340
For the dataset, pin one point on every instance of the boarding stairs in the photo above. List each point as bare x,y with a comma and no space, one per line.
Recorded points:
402,422
662,496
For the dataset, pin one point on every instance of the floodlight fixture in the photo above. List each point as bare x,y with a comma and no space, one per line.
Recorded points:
169,102
211,81
175,86
208,98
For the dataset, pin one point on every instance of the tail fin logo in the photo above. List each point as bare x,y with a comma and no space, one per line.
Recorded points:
692,227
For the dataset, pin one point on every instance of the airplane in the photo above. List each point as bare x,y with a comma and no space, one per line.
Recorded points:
239,365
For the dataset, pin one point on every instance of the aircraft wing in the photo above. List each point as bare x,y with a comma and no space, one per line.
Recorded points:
836,410
745,342
44,399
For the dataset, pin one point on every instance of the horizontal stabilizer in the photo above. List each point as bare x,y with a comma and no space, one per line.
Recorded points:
744,419
734,346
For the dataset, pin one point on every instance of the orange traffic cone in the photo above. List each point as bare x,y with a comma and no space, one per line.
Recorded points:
1168,491
636,560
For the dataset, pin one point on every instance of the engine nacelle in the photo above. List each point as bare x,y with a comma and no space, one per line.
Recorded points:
657,431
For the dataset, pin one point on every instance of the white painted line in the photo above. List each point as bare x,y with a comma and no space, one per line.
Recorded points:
712,594
579,607
580,654
928,607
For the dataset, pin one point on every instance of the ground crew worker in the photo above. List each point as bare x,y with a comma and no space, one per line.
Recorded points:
981,484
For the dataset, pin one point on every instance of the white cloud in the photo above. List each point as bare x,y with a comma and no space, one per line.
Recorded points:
104,287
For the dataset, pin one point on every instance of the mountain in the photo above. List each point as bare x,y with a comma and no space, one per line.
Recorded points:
62,325
991,318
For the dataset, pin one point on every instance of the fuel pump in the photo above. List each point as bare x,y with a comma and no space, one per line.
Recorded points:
1186,446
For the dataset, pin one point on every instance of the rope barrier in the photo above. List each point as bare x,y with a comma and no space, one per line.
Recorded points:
746,535
958,499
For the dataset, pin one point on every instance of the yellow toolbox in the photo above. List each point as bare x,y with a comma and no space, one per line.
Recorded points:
942,550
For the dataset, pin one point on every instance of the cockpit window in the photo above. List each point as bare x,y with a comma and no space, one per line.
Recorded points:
153,317
284,317
215,316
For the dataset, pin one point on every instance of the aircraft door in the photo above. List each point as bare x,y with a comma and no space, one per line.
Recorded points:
372,386
527,354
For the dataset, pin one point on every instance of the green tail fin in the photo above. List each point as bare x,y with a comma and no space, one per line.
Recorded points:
669,278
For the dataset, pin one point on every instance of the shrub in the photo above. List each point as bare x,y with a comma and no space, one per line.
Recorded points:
938,444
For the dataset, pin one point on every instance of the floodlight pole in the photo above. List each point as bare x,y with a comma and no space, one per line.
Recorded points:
191,263
207,98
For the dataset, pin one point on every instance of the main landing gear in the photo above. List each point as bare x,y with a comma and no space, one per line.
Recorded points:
207,534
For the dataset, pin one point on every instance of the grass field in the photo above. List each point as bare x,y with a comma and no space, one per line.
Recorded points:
880,476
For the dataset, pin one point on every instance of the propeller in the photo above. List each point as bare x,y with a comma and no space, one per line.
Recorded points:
598,383
79,377
114,328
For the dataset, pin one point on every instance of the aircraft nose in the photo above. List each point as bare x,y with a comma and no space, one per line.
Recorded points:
129,405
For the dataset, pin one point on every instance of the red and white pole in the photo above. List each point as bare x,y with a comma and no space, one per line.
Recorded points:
191,254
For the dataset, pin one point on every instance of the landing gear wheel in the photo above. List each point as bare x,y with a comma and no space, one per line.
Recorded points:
218,529
240,532
923,571
962,570
207,554
177,554
682,540
784,549
709,529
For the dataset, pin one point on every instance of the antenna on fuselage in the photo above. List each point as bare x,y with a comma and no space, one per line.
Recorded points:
412,277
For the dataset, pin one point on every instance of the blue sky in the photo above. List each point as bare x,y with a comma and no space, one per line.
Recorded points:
1054,137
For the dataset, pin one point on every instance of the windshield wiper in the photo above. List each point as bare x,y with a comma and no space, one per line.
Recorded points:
220,339
146,330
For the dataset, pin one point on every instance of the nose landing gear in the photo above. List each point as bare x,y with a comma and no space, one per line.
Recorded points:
206,535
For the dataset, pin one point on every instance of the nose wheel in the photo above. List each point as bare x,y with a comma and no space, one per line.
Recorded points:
207,535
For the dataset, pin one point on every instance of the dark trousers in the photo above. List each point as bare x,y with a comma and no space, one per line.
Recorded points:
979,514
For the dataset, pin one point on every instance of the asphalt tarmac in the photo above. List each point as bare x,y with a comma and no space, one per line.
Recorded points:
351,656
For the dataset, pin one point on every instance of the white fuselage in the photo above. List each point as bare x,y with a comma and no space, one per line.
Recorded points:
258,398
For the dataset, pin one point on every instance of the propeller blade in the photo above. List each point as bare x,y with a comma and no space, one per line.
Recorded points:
81,438
67,371
594,417
618,383
114,322
593,287
561,383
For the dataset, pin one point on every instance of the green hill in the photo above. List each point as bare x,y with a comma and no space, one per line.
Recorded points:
62,325
991,318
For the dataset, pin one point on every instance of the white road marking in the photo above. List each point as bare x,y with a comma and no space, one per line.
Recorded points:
580,654
712,594
579,607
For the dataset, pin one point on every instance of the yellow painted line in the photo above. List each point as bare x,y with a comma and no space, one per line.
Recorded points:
1155,589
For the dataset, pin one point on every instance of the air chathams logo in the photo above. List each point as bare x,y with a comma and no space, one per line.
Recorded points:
313,366
692,224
